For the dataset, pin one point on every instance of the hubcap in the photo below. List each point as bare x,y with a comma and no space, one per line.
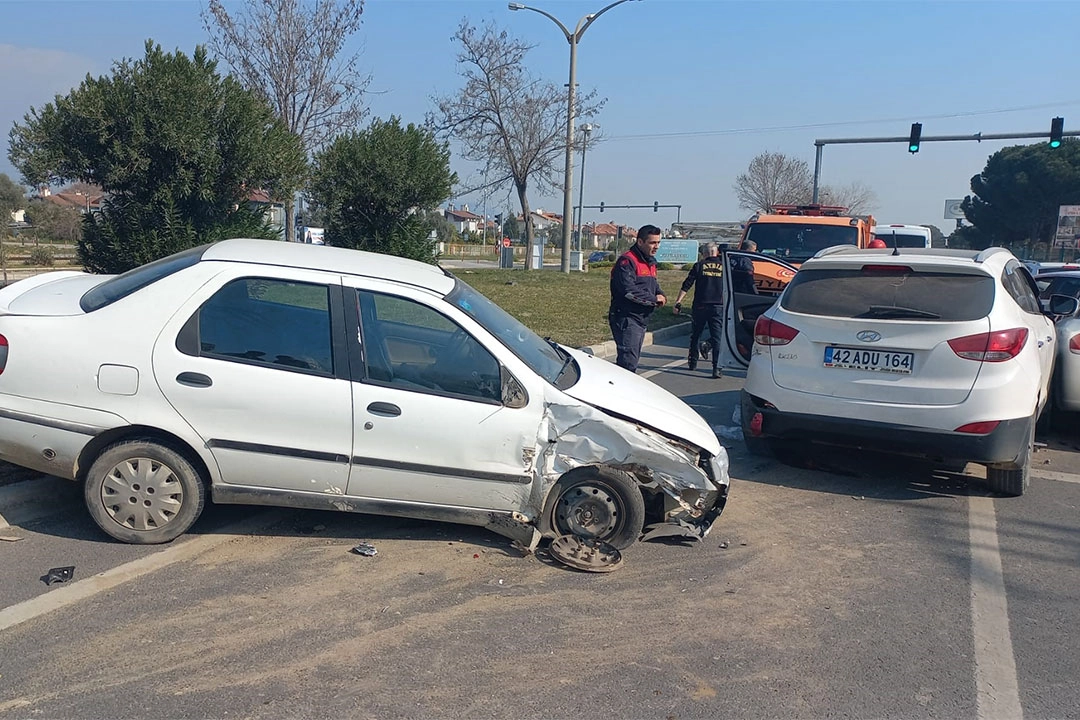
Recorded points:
590,511
142,494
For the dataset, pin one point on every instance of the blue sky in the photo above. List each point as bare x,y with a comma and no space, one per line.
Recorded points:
725,70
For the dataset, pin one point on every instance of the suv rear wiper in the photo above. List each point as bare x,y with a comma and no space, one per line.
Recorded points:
886,312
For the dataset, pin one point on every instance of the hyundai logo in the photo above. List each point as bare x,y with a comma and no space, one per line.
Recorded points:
868,335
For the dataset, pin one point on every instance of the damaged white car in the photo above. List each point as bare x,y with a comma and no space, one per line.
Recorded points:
269,373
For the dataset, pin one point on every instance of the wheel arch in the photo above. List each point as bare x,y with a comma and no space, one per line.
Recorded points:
139,432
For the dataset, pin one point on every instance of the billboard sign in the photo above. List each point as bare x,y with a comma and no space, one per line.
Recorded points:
312,235
953,210
677,252
1068,228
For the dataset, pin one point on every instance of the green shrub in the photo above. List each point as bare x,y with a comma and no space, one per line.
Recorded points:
665,266
688,267
41,256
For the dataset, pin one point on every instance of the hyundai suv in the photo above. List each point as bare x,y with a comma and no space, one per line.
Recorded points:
944,354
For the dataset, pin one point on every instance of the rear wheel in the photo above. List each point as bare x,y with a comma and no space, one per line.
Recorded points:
144,493
1013,478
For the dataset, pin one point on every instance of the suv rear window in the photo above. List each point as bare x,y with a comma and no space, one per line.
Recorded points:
123,285
889,294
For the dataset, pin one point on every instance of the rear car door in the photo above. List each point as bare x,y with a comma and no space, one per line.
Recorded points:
256,363
1023,289
741,309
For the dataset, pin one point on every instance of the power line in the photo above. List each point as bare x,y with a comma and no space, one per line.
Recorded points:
811,126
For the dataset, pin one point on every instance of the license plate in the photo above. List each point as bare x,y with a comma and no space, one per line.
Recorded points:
876,360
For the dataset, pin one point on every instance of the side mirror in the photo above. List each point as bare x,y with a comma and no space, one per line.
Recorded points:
1063,305
513,393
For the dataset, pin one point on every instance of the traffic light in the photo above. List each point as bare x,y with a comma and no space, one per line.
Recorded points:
601,206
618,232
914,138
1057,128
656,206
498,219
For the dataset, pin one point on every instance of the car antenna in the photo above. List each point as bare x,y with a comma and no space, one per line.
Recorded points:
895,247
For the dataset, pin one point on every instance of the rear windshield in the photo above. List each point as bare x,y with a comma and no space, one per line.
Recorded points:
889,294
121,286
904,240
798,241
1059,286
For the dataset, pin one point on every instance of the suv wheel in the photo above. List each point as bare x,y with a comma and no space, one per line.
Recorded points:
1013,478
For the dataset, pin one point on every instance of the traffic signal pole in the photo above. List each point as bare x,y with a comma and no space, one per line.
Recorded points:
819,145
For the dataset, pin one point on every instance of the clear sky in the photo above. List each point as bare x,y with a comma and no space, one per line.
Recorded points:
694,88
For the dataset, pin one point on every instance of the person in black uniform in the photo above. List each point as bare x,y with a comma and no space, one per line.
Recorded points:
742,270
635,293
707,277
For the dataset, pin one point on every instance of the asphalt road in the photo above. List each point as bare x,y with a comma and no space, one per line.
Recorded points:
851,586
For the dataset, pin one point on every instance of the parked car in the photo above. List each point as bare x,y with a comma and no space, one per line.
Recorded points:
601,256
1066,382
939,353
904,236
286,374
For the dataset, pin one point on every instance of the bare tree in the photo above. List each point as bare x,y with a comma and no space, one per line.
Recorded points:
773,179
511,122
858,197
289,50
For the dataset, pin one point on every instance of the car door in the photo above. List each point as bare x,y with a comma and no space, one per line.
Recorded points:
741,309
256,363
431,423
1022,287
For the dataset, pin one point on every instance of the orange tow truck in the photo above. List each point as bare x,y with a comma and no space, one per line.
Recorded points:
795,233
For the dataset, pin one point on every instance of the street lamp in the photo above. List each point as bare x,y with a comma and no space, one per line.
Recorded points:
573,38
585,130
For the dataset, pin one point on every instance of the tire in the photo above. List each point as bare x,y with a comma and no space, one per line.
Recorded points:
143,493
596,503
1013,478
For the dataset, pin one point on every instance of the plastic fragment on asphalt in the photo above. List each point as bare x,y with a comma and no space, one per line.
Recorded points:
9,538
58,575
365,549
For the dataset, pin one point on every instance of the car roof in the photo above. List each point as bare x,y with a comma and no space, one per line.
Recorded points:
841,255
885,227
1058,273
331,259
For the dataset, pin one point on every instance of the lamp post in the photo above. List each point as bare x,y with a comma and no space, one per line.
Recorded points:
573,38
585,130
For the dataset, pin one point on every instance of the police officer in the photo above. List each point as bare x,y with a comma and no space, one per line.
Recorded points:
635,293
742,270
707,277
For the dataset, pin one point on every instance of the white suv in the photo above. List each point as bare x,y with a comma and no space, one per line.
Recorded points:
944,354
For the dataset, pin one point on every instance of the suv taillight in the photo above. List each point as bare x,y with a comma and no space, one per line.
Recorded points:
772,332
3,353
992,346
1074,344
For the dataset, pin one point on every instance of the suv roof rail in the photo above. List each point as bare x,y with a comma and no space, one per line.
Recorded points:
836,249
988,253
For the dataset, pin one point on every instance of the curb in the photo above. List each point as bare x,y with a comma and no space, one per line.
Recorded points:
606,350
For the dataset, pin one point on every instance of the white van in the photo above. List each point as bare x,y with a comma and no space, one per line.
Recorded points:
905,236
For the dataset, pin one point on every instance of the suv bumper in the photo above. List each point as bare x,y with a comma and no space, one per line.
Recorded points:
1001,445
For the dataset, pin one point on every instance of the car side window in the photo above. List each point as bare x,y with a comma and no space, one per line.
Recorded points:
413,347
1017,285
263,321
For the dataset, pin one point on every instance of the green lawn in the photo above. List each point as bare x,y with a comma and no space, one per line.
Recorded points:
571,309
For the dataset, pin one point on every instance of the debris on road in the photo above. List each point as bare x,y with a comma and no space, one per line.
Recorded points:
365,549
58,575
9,538
588,554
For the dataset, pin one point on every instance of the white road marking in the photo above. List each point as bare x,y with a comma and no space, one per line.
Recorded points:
1059,476
80,590
996,687
662,368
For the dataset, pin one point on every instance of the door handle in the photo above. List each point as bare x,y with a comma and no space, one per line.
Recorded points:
384,408
193,379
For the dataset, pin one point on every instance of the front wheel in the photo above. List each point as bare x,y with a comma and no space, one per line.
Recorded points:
1013,478
596,503
143,493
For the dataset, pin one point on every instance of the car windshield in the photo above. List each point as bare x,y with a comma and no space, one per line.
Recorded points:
1059,286
542,356
893,294
796,241
904,240
123,285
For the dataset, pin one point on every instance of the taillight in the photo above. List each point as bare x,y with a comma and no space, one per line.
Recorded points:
886,270
3,353
992,346
979,428
772,332
1074,345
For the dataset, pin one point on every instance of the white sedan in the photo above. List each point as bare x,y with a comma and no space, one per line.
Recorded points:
285,374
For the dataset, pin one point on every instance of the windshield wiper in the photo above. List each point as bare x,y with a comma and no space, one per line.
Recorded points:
567,359
885,312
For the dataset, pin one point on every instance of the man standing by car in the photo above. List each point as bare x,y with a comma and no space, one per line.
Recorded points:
635,293
742,270
707,277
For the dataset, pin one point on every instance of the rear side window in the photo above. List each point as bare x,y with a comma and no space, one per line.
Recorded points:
1016,282
889,294
123,285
